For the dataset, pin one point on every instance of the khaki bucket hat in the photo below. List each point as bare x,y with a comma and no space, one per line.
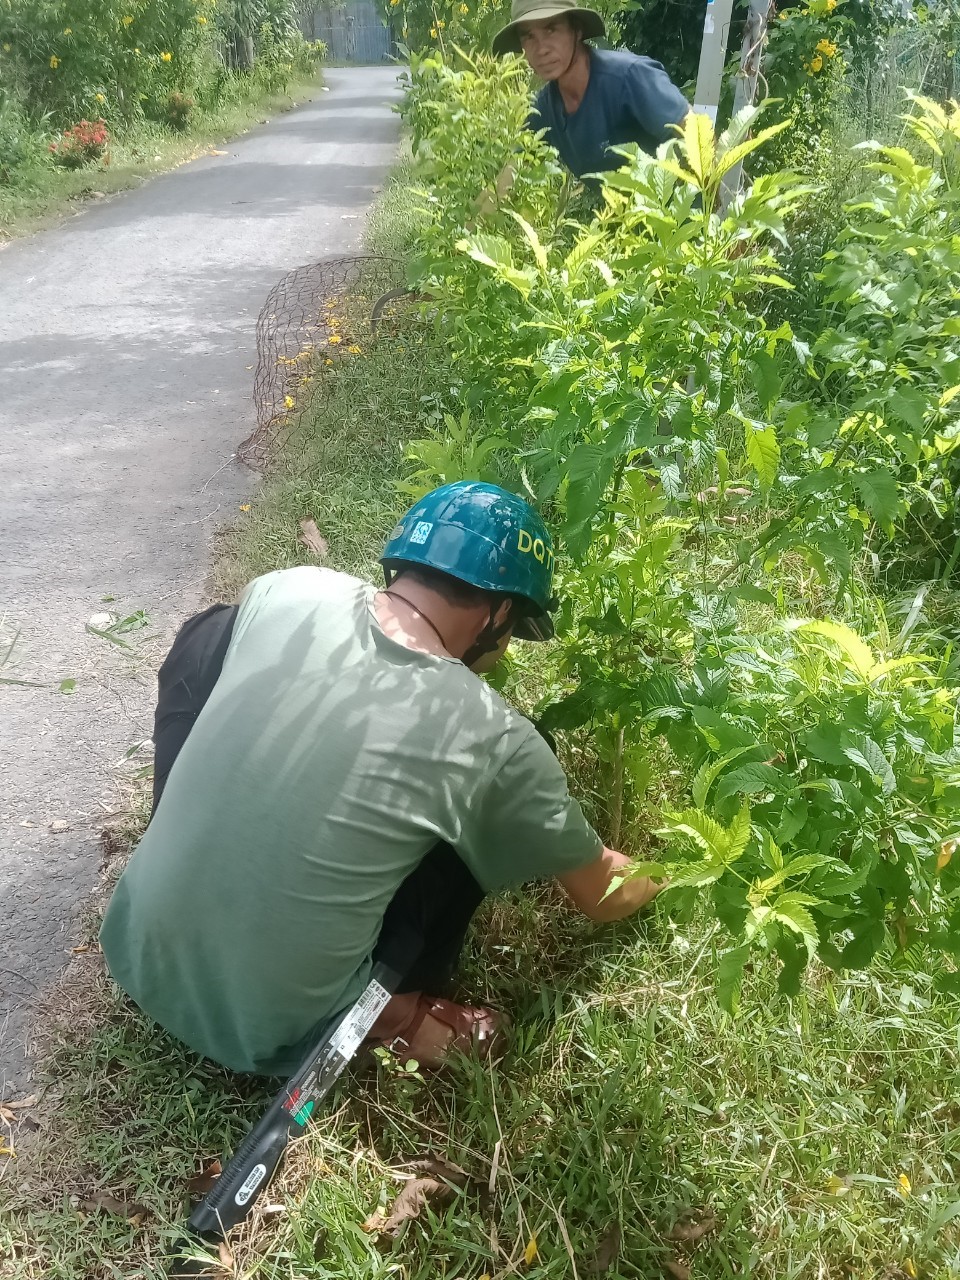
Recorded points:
508,40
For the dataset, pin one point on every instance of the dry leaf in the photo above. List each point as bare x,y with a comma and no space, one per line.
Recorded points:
607,1250
101,1200
947,850
22,1104
214,152
226,1257
59,825
201,1182
432,1181
313,539
6,1151
676,1269
694,1228
531,1251
11,1118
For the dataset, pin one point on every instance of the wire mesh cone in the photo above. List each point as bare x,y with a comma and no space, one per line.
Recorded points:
310,320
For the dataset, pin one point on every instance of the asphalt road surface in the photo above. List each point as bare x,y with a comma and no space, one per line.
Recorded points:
126,372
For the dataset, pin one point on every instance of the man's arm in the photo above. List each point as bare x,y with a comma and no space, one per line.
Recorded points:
654,101
588,888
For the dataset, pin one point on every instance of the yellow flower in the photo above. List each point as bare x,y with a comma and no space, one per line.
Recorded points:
394,3
355,350
433,33
816,64
289,402
201,19
464,9
166,57
827,48
334,339
100,97
68,31
54,62
127,19
441,24
7,48
831,5
244,506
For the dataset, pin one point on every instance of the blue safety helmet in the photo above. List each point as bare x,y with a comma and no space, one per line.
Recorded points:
485,536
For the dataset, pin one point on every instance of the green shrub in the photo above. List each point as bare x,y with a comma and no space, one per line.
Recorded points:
178,110
83,144
708,471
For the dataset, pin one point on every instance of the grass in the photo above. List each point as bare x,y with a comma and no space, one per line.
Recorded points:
818,1138
822,1135
43,193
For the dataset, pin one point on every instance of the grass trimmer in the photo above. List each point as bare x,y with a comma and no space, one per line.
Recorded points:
248,1173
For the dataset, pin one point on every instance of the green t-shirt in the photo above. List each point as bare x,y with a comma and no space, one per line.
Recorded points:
328,760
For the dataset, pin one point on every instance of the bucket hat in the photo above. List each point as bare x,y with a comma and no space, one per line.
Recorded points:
508,40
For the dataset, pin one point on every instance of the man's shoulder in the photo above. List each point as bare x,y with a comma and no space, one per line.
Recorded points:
304,583
621,64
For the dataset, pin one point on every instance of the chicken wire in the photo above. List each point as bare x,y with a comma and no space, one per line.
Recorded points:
312,318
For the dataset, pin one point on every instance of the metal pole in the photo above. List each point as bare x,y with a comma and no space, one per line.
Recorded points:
713,53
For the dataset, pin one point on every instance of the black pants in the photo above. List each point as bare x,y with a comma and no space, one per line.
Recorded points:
426,923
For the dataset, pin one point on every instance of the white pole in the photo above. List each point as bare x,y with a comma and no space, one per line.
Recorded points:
713,53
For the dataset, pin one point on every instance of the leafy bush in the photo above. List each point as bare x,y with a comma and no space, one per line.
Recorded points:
178,110
84,143
20,146
708,465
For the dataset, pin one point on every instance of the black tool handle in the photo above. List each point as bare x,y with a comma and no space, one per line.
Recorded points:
246,1176
248,1173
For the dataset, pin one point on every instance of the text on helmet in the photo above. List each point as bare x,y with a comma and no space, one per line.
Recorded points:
541,551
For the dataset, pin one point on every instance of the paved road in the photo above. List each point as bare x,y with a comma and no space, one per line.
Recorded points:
125,385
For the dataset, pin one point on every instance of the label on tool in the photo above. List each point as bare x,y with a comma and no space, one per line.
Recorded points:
252,1181
356,1025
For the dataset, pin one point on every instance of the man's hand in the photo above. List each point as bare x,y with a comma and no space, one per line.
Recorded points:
588,888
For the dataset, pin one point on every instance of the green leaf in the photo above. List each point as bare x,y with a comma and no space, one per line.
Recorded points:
697,139
539,253
743,149
880,495
580,253
766,379
738,834
708,773
791,909
68,686
730,977
750,779
868,755
699,827
859,657
910,405
490,251
747,591
763,453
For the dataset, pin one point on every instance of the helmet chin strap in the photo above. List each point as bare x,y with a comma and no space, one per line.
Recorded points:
490,636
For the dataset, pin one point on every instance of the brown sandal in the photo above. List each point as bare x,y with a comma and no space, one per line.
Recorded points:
477,1030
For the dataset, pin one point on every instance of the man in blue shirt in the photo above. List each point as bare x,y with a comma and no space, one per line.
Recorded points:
593,99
